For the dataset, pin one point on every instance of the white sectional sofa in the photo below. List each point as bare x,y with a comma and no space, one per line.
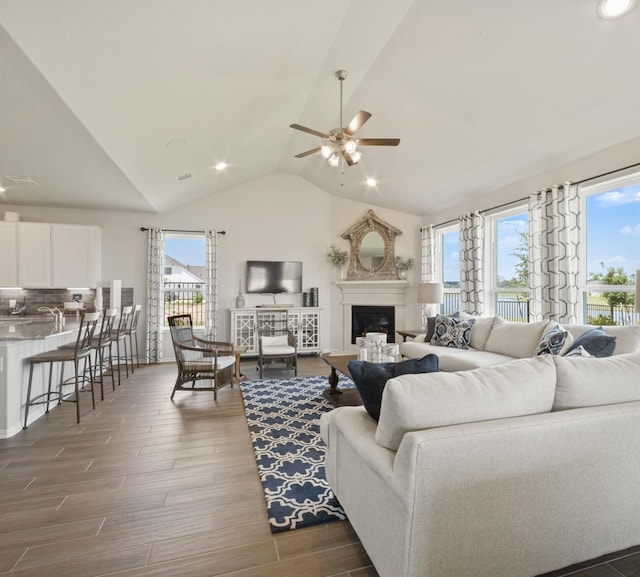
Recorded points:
512,470
495,341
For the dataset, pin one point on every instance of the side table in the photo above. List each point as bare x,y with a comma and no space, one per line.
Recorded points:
237,352
410,333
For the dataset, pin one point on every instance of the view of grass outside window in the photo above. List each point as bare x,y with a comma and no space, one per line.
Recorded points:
613,255
184,276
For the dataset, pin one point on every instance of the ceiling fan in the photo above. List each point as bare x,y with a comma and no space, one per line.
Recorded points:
341,143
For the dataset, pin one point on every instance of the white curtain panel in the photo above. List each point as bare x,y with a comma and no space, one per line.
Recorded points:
429,262
155,295
471,263
554,248
211,285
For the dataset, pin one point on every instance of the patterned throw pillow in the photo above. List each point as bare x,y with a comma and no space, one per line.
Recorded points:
431,326
371,378
452,332
579,351
552,341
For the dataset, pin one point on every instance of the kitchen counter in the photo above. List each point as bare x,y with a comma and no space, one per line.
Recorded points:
21,338
32,328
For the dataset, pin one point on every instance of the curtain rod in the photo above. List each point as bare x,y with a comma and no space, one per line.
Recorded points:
144,229
578,182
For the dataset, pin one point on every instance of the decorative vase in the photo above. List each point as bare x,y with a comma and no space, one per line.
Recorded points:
342,272
402,274
240,297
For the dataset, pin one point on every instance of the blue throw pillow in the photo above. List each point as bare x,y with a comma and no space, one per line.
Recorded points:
370,378
596,342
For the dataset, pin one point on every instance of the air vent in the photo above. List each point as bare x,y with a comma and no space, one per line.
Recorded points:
22,180
182,177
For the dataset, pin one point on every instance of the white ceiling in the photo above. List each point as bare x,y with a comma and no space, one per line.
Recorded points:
105,102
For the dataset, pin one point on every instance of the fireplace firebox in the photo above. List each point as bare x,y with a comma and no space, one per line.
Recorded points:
373,319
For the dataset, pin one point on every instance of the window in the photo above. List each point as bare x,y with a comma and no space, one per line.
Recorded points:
507,263
611,249
448,245
184,276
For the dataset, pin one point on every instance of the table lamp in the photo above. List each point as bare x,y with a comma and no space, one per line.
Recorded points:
430,293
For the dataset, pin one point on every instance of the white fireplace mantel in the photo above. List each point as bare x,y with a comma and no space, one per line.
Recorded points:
370,293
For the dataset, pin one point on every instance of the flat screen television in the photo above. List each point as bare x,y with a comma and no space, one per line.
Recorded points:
274,277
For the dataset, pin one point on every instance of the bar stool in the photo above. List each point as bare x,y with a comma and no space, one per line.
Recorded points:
131,332
80,351
119,335
102,363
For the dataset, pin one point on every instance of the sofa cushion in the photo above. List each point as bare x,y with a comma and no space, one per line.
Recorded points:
480,331
588,382
596,342
431,325
552,341
415,402
452,332
371,378
518,340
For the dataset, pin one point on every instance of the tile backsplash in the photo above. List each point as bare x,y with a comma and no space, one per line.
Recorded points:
35,298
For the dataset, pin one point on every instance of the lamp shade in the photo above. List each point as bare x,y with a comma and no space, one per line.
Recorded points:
430,292
638,291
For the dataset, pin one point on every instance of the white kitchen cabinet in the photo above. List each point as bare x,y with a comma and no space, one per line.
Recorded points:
34,255
8,254
58,255
75,254
304,321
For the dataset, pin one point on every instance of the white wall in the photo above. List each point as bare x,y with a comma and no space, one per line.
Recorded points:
610,159
277,217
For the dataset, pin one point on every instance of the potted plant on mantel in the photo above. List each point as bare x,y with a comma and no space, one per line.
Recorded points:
403,265
339,258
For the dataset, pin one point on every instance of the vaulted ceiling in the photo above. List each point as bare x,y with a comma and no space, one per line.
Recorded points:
105,103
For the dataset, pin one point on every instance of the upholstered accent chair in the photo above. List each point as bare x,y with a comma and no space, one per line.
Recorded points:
277,343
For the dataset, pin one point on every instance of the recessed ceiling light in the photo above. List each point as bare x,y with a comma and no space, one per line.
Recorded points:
371,182
221,165
3,189
610,9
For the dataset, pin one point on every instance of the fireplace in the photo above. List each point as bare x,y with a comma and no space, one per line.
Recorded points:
388,295
373,319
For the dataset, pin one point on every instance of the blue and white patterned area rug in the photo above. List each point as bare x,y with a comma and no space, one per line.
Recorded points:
284,422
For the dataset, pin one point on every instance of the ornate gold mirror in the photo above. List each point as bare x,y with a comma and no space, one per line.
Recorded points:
372,249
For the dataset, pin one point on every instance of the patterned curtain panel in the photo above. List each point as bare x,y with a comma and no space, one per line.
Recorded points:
155,295
554,247
211,285
428,272
471,263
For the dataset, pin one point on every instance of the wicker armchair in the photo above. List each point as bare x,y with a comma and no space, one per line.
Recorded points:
277,343
199,359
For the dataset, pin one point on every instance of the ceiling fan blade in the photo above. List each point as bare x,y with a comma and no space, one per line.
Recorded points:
309,130
348,158
378,141
307,153
356,123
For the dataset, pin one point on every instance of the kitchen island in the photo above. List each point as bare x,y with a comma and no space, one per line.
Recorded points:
20,338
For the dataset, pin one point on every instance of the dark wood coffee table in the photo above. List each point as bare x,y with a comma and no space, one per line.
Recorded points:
340,397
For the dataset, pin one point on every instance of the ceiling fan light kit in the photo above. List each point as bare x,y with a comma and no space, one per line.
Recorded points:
341,144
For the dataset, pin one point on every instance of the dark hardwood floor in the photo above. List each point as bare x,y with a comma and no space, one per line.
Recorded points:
146,487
